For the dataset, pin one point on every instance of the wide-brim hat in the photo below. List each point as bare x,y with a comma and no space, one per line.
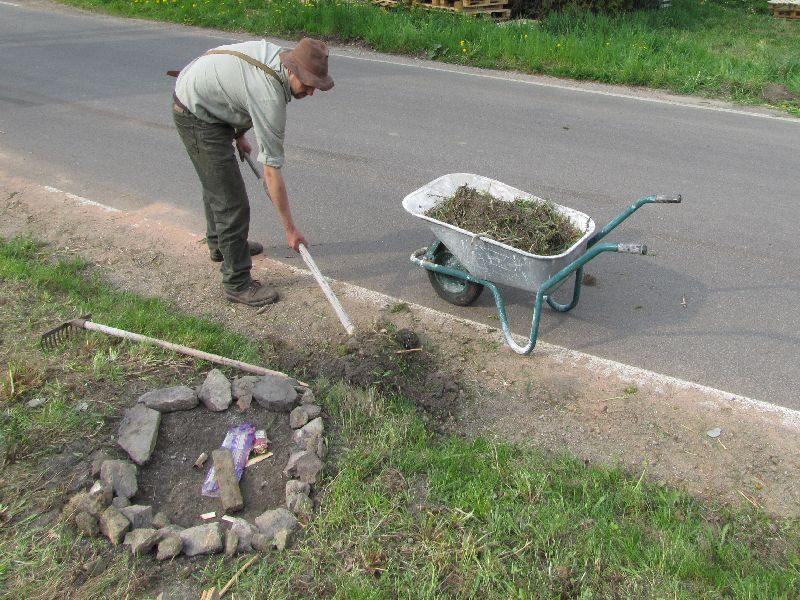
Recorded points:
309,62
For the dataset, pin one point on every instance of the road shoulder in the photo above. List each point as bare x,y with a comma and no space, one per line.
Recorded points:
555,399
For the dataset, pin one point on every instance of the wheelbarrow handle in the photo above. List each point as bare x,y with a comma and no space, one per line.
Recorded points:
675,199
654,199
632,248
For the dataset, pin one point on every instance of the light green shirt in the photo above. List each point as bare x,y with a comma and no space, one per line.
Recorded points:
221,88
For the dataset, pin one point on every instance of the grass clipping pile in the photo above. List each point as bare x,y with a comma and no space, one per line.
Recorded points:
536,227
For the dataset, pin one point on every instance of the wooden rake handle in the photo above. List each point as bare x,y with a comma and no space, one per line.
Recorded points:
321,281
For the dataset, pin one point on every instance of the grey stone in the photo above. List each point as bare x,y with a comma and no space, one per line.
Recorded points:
275,393
231,542
310,429
121,475
87,524
140,516
281,539
113,524
300,504
306,396
171,399
141,541
261,543
295,486
160,520
242,391
298,418
169,547
305,466
244,531
202,539
243,385
102,492
216,393
82,502
35,403
271,522
73,506
169,530
312,410
120,502
138,432
98,458
317,445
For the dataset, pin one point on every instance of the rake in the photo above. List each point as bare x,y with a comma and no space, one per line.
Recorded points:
63,332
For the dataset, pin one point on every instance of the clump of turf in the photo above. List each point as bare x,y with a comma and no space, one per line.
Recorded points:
535,227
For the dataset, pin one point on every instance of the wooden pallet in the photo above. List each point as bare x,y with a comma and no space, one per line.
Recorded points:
491,8
786,11
468,5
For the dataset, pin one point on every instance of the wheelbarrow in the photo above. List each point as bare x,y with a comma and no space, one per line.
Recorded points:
460,263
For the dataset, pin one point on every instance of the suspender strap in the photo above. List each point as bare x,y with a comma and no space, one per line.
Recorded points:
251,60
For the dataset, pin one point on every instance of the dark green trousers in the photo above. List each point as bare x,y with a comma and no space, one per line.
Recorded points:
210,148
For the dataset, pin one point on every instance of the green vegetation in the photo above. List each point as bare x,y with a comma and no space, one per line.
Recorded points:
404,512
22,261
729,49
410,515
535,227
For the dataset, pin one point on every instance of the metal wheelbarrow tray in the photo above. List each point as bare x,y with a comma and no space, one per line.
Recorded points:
461,263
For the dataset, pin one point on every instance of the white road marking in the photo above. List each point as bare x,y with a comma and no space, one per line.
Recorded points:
81,200
596,364
629,373
9,4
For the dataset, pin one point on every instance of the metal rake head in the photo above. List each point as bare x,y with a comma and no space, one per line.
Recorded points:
57,336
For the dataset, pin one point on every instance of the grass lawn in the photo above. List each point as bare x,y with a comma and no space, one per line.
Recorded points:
730,49
404,513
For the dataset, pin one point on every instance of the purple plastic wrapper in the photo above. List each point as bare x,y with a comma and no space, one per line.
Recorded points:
239,440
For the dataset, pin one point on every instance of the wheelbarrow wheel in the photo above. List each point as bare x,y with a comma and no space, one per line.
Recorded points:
456,291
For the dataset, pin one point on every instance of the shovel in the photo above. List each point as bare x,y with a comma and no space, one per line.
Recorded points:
337,306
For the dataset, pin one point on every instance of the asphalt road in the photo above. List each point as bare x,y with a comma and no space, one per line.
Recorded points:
85,107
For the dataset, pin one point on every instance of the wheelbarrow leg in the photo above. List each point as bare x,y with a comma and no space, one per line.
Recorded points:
576,294
551,284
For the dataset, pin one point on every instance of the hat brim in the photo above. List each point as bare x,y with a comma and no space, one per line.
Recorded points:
306,78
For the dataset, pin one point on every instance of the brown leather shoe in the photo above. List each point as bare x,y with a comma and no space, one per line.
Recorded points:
254,247
254,294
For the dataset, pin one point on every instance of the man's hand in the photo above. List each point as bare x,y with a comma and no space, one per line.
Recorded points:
295,238
243,146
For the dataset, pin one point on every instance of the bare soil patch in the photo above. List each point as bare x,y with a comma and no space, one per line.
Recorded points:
555,399
170,483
